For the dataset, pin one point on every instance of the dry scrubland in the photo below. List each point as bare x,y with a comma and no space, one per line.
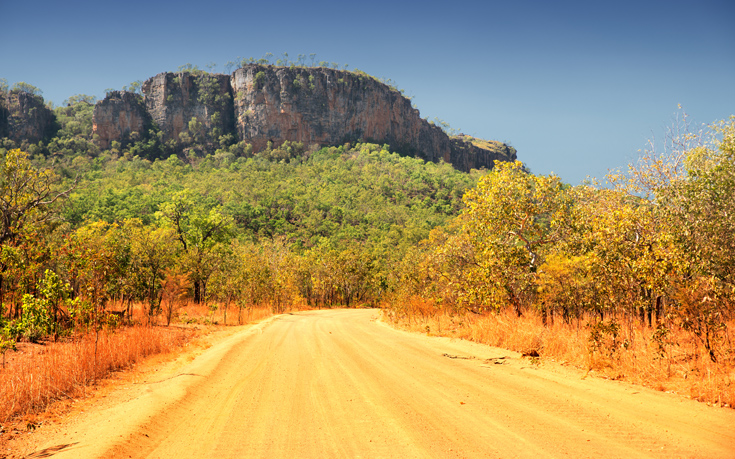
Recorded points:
37,375
681,366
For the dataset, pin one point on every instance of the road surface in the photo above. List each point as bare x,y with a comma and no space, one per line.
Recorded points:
339,383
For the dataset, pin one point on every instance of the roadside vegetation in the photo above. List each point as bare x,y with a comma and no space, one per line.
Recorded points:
633,279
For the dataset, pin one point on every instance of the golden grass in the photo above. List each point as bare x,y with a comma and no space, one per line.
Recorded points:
42,374
216,314
682,366
65,370
188,312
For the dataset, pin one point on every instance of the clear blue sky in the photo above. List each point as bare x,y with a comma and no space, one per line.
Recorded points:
576,86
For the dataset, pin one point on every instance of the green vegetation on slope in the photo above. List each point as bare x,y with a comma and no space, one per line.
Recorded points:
362,193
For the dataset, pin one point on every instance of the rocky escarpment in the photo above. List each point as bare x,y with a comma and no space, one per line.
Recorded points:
121,114
25,117
259,104
470,153
329,107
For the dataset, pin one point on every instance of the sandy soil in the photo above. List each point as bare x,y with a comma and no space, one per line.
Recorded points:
341,384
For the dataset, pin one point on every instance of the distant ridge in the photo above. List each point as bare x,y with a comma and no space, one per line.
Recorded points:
259,104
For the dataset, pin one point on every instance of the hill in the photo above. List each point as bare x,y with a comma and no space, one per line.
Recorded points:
195,113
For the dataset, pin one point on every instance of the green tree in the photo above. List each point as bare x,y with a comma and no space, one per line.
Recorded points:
134,87
199,230
152,253
22,86
97,257
27,197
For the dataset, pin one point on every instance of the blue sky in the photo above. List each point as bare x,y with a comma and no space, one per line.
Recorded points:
577,87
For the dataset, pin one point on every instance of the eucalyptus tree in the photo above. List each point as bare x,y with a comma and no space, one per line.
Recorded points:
512,218
199,228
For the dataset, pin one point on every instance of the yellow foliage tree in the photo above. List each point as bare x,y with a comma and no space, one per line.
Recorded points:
513,218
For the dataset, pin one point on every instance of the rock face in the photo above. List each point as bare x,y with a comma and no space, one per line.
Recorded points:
465,155
329,107
262,103
117,116
173,99
24,116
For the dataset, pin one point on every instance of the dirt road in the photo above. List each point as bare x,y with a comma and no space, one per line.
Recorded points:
339,384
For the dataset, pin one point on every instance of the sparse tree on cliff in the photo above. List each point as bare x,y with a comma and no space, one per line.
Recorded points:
266,59
135,87
196,129
73,100
189,68
22,86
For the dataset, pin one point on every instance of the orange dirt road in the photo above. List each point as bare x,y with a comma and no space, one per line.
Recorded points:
339,383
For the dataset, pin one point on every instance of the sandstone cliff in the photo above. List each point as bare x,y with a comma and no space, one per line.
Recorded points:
25,117
328,107
119,115
471,153
262,103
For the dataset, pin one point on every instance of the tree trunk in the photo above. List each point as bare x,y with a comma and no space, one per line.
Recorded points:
1,305
543,315
197,292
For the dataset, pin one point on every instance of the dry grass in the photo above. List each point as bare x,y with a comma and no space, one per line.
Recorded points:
187,312
216,314
38,375
680,366
65,370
